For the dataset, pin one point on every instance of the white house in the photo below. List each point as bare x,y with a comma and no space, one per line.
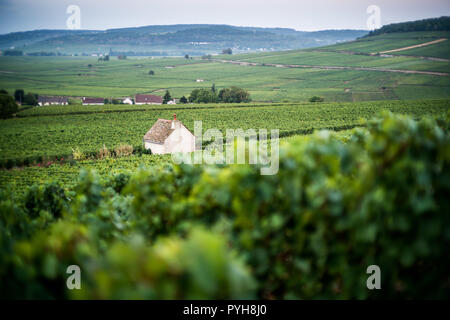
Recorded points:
169,136
127,101
47,101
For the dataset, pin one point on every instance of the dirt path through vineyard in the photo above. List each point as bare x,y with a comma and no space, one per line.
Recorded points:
415,46
244,63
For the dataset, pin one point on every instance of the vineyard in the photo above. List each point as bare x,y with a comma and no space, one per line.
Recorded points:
17,180
363,176
37,135
377,195
85,76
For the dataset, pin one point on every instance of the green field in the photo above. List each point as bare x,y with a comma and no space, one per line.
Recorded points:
57,135
362,179
72,76
327,58
393,41
337,205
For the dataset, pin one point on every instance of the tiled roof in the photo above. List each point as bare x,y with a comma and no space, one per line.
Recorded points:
148,98
159,131
46,99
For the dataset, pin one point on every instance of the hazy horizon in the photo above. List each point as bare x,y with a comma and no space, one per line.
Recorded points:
27,15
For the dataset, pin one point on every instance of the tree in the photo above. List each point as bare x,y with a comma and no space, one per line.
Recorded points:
183,100
19,95
194,95
186,56
227,51
316,99
203,96
13,53
213,88
30,99
151,72
234,95
167,97
3,91
7,106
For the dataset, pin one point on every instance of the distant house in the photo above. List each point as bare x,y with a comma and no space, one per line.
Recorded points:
148,99
46,101
169,136
200,80
93,101
127,101
174,101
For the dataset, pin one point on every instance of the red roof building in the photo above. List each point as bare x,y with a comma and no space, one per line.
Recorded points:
148,99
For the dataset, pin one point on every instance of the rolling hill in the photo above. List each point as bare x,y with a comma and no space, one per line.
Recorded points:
172,40
351,71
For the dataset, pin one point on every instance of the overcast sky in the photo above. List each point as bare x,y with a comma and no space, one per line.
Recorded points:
22,15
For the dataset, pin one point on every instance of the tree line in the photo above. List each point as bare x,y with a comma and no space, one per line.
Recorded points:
227,95
435,24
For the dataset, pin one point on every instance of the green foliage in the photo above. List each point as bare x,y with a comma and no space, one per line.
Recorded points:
234,95
8,106
19,95
167,97
203,96
74,102
30,99
183,100
433,24
78,126
228,95
308,232
316,99
12,53
50,198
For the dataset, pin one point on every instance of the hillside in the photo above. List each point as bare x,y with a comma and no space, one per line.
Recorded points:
422,38
391,41
351,71
172,40
433,24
